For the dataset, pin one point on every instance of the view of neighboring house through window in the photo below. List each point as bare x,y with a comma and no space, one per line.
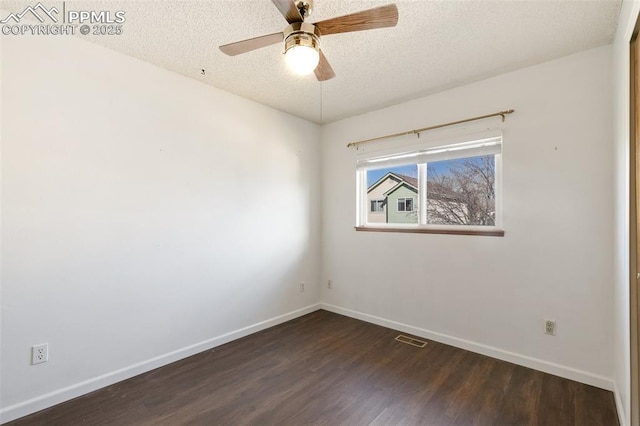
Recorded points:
452,185
396,191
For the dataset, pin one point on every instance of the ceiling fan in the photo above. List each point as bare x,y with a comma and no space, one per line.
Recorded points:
302,40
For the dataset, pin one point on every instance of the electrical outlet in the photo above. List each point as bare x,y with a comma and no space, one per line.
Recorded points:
39,353
301,287
550,327
329,285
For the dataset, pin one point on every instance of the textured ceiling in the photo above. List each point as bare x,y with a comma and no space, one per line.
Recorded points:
436,45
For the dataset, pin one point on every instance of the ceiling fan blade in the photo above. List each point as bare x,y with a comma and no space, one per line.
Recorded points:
324,71
380,17
233,49
289,10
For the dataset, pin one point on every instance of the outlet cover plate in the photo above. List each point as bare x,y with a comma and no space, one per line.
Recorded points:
39,353
550,327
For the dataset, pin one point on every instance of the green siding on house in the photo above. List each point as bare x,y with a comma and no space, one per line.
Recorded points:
393,215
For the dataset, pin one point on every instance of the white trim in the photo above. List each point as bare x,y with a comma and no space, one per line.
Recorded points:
619,405
361,197
41,402
497,187
479,228
515,358
422,197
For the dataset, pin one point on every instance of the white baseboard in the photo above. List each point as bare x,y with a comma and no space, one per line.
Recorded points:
526,361
619,405
41,402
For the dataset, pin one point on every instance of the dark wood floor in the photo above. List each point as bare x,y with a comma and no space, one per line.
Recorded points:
324,368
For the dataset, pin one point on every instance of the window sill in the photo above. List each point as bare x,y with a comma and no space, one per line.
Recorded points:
422,230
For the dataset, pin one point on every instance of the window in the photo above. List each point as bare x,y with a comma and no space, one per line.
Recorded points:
377,206
448,187
405,204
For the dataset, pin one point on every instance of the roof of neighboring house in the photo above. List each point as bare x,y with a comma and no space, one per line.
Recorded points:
436,191
413,182
399,185
410,180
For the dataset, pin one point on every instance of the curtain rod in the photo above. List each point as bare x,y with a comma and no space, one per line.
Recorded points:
437,126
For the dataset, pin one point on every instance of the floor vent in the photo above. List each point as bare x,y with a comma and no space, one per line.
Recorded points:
411,341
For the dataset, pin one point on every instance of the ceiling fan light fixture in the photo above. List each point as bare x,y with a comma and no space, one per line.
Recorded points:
302,48
302,60
302,40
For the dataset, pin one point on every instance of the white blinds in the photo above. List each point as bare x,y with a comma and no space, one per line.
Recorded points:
487,146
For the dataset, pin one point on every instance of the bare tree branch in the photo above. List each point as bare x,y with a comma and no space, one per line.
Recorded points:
465,195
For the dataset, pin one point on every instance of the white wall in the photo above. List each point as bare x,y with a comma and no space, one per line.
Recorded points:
144,216
492,294
621,331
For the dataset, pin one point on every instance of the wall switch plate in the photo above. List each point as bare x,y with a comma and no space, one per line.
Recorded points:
301,287
550,327
39,353
329,285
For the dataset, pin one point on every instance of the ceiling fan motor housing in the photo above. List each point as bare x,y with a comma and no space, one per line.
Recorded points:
301,34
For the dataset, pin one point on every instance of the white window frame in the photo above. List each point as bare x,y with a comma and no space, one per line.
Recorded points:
421,155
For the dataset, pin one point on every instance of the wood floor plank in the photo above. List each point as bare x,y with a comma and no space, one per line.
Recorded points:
486,388
327,369
519,406
556,404
594,406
